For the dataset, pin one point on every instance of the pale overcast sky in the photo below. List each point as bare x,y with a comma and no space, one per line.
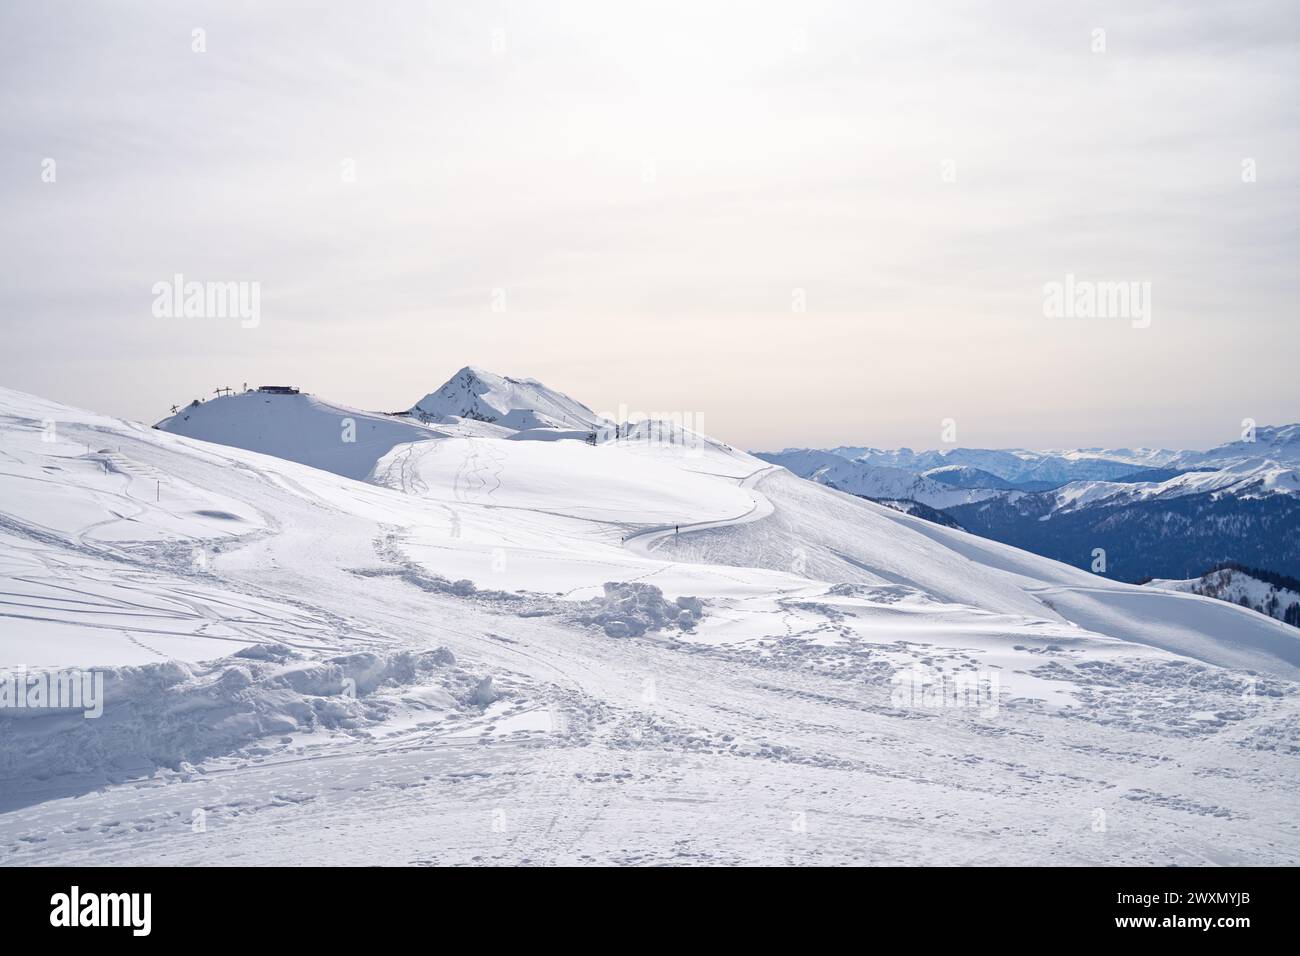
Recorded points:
656,188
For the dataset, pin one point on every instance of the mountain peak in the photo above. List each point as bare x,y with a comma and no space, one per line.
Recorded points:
517,403
486,377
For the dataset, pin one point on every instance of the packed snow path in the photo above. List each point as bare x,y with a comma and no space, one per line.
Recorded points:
646,541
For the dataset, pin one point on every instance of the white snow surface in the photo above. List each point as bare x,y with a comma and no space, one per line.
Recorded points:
654,649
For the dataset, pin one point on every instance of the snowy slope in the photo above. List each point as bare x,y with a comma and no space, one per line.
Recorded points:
500,650
301,428
350,442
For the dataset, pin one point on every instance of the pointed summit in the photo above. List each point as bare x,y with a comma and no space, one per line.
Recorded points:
515,403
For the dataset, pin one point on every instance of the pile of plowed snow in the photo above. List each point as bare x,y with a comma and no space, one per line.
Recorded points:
172,713
630,609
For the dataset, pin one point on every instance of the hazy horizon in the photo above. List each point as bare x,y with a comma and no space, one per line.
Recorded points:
805,225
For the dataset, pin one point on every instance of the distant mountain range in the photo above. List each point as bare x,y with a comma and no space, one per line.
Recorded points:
1152,512
877,482
1013,465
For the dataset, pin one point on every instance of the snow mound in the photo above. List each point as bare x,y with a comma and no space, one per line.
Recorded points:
629,609
301,428
172,713
517,404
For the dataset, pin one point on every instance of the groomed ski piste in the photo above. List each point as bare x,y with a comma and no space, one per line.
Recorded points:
459,640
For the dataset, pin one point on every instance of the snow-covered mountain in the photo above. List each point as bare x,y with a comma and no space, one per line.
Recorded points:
1137,457
1013,465
518,404
967,476
1280,444
910,506
872,481
1247,478
1158,512
1018,466
1247,512
493,650
299,427
1278,598
350,442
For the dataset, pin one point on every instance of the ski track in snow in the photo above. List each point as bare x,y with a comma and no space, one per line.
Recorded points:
766,732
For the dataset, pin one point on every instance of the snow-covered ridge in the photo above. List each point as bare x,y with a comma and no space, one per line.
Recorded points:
968,476
297,427
1238,586
873,481
1013,464
1252,477
518,404
1279,443
1056,467
350,442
